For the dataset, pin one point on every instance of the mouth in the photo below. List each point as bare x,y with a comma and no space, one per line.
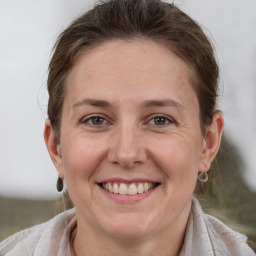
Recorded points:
131,189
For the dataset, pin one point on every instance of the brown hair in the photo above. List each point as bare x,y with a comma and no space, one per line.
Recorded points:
132,19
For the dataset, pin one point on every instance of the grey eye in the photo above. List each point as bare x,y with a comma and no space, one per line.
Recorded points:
96,120
160,120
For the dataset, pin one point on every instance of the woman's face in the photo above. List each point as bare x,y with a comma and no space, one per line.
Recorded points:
131,145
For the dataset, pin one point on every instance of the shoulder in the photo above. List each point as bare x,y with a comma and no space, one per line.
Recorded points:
39,239
209,235
225,236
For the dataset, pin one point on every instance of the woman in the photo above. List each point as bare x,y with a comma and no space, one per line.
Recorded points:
132,126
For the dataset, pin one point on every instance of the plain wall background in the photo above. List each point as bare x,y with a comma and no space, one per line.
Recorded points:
28,30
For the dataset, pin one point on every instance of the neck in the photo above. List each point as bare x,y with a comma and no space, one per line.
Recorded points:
167,246
167,242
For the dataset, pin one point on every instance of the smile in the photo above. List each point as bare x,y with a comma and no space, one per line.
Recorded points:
128,189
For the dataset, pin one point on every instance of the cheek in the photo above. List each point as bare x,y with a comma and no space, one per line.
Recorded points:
81,158
178,160
177,157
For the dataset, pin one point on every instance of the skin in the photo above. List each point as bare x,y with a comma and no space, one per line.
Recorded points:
129,84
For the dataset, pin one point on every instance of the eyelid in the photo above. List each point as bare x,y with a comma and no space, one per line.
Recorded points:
86,118
168,118
89,117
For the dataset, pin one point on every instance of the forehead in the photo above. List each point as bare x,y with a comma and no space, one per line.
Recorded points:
127,67
145,54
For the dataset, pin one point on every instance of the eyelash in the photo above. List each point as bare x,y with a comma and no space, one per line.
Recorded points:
91,118
166,118
151,118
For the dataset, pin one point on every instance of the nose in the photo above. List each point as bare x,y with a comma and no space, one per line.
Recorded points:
126,147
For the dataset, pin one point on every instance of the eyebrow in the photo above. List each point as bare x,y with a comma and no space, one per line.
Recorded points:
162,103
92,102
146,104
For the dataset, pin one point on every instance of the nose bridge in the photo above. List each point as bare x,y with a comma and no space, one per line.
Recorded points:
126,139
127,148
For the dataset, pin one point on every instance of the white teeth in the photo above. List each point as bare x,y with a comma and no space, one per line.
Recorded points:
146,186
126,189
110,188
115,188
123,189
140,188
132,189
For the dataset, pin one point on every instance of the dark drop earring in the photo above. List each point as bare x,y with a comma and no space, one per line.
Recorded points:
59,184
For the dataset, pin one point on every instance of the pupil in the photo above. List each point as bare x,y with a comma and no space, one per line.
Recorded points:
97,120
159,120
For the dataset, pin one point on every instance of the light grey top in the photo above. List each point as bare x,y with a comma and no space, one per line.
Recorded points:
205,236
48,239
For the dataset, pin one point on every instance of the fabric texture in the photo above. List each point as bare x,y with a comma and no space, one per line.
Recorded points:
205,236
47,239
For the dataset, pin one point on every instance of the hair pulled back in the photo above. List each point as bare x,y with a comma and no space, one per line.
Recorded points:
128,20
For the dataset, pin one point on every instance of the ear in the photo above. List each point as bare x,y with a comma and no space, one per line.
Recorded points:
212,141
53,147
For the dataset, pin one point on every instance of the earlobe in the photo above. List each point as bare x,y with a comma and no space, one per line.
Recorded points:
59,150
212,141
53,147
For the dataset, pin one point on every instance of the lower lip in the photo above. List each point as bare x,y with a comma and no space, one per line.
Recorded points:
126,199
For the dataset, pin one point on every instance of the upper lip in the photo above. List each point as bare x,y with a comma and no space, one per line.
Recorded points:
122,180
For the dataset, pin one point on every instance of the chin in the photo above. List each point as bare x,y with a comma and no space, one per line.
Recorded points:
131,227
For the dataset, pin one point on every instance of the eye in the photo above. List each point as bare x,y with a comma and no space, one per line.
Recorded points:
95,121
160,120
